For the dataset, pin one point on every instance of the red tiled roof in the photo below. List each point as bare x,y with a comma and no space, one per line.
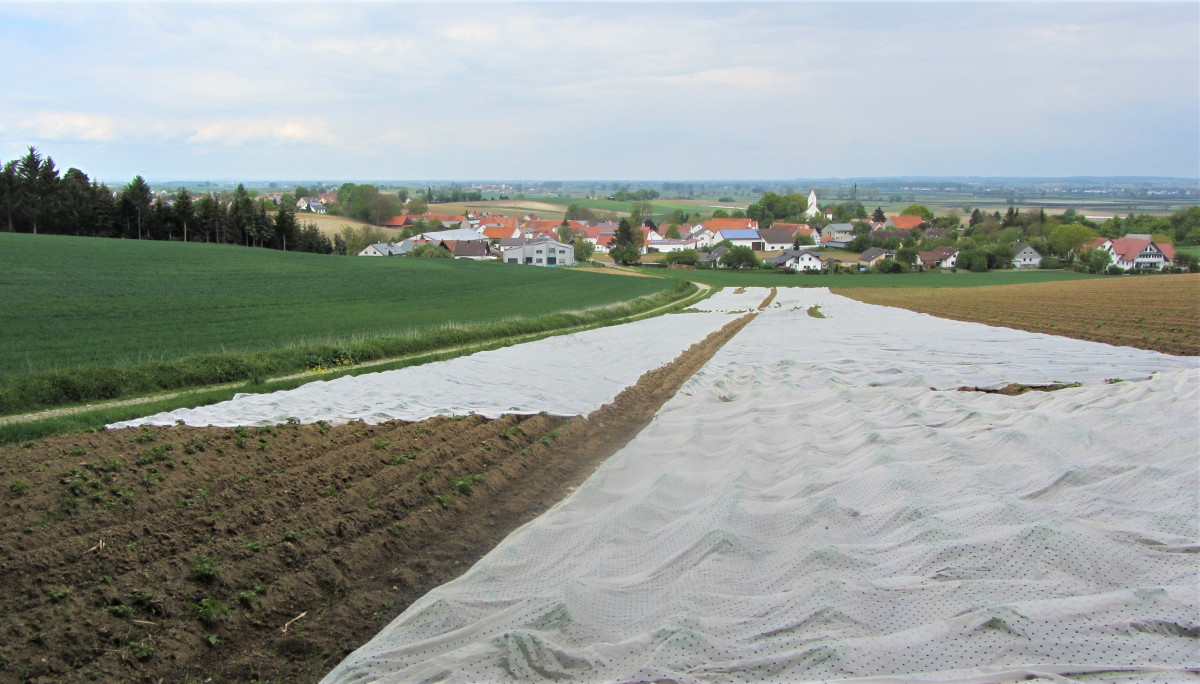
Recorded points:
542,225
1128,249
907,222
498,232
498,220
444,218
731,224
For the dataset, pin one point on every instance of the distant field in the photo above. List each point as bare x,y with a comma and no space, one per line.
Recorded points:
517,208
1189,250
332,225
1148,312
78,301
727,278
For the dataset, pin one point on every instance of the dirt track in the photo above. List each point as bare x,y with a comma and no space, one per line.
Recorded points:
183,554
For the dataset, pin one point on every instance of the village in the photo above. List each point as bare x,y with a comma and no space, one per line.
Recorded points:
819,246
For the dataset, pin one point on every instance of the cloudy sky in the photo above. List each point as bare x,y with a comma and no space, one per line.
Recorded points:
673,90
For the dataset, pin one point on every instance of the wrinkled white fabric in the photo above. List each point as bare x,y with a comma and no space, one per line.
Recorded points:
565,375
807,508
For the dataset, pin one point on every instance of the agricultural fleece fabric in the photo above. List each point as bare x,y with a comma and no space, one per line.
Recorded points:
819,502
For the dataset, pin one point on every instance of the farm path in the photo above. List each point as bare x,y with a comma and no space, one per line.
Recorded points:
703,291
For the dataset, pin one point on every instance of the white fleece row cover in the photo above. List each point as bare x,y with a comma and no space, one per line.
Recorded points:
806,508
566,375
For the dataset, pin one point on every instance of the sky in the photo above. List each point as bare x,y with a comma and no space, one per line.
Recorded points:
639,91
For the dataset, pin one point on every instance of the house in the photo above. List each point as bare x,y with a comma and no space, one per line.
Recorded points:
385,249
475,250
742,237
327,198
540,252
904,222
876,254
776,239
713,257
1139,252
840,232
702,235
1027,257
791,258
310,204
942,257
808,261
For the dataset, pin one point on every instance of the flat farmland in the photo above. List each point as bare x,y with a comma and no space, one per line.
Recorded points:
1148,312
723,277
70,303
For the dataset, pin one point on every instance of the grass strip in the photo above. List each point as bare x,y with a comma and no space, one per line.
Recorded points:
96,419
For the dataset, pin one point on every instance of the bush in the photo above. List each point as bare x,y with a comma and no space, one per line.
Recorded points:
1115,270
686,257
739,257
1051,262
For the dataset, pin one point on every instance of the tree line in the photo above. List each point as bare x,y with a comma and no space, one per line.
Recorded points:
36,198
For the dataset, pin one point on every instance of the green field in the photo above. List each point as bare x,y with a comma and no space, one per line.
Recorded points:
1194,251
727,278
75,301
69,302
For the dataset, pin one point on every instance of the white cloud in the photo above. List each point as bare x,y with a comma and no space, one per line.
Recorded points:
69,126
305,131
579,89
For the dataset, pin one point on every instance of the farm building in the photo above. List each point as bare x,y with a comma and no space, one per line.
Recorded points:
474,250
745,237
775,238
541,252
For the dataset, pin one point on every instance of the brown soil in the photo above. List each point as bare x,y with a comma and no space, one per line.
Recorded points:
1159,312
1015,389
205,554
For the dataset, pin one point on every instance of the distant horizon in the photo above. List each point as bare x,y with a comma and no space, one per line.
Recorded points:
671,91
830,179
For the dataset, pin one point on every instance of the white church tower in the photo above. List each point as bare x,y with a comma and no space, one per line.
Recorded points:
812,210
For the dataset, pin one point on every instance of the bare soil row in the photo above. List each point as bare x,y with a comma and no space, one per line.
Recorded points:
269,554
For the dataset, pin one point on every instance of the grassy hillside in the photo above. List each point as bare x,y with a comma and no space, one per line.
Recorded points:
727,278
69,302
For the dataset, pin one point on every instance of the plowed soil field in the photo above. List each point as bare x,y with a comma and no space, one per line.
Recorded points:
1148,312
268,554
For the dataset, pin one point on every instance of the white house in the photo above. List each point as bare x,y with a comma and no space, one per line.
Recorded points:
805,261
1027,257
702,235
1139,252
541,252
